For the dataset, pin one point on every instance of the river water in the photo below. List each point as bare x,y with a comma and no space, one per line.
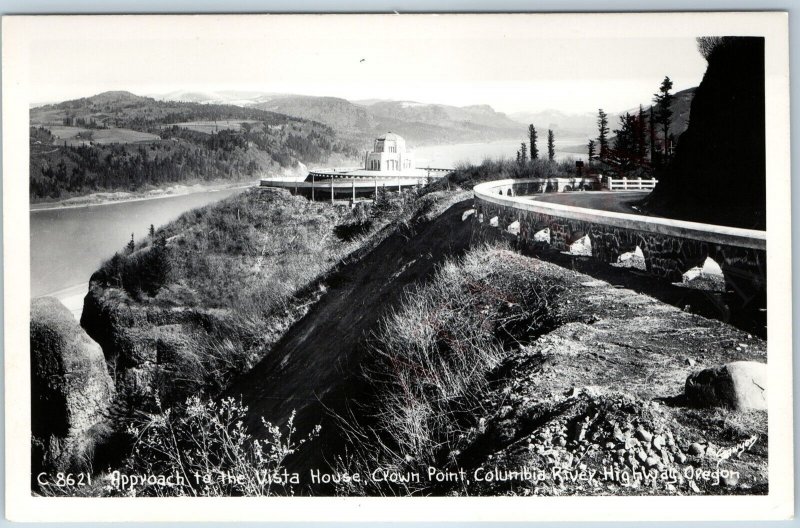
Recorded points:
68,245
448,156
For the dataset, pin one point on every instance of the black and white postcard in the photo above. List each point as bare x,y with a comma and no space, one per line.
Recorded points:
397,267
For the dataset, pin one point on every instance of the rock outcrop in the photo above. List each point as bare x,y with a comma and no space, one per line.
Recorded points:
737,385
71,389
718,174
164,352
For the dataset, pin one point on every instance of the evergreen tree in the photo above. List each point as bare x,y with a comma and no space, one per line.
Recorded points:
641,135
551,145
131,245
152,231
663,100
115,270
591,151
523,153
532,139
652,130
602,138
625,153
156,272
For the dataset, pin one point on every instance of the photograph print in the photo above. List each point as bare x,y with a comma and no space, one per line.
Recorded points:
400,256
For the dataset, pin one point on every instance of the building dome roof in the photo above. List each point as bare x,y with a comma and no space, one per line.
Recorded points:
390,136
390,143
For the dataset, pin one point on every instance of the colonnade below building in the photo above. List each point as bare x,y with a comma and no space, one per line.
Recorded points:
349,189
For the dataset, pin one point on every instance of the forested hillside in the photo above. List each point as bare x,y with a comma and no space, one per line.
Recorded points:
121,141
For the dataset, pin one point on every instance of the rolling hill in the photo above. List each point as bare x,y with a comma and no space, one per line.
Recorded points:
122,141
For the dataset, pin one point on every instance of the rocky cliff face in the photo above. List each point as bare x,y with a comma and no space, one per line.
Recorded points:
71,389
718,174
158,351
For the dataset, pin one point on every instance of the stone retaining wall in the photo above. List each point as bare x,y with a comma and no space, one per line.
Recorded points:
670,247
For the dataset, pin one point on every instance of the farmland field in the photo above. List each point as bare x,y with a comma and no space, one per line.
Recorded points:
75,136
215,126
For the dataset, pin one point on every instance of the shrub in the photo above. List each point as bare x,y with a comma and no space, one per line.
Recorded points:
147,271
431,358
208,450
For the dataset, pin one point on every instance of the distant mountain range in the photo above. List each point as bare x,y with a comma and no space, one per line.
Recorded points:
231,97
355,123
362,121
561,123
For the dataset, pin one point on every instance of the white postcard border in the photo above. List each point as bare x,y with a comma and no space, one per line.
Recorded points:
19,32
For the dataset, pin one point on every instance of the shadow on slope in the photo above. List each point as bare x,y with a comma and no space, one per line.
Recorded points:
314,368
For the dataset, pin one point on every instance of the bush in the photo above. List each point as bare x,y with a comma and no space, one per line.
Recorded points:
206,447
147,271
431,358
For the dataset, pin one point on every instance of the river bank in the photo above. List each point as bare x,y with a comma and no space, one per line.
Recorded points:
107,198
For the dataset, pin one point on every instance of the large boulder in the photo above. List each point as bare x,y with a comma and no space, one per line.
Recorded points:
738,385
71,389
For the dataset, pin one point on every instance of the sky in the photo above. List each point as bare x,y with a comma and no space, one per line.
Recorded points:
514,65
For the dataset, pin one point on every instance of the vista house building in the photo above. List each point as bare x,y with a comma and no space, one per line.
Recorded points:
389,154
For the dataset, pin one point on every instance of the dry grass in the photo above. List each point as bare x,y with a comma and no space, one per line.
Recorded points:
431,359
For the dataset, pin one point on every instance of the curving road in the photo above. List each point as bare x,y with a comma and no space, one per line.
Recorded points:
617,202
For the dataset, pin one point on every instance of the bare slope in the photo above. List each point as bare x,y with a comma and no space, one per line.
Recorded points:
317,362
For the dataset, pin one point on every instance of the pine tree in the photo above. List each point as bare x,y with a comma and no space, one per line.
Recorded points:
152,231
551,145
652,130
624,153
131,245
602,138
641,135
532,139
663,100
591,151
523,153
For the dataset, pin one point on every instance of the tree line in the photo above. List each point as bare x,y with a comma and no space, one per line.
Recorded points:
642,141
522,153
182,155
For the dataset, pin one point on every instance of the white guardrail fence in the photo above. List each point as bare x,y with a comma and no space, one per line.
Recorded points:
624,184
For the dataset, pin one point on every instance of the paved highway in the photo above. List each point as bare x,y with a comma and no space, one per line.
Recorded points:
617,202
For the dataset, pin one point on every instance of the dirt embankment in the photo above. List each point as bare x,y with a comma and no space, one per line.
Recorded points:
601,396
315,368
506,374
599,393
